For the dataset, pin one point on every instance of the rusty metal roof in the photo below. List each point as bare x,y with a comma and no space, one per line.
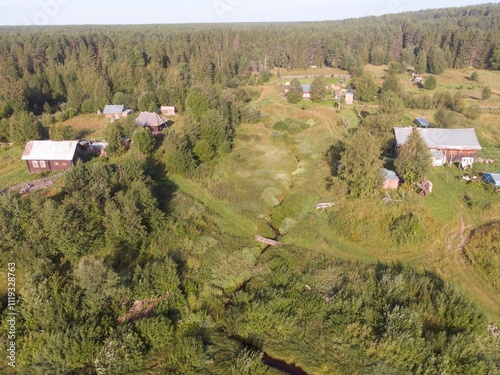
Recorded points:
50,150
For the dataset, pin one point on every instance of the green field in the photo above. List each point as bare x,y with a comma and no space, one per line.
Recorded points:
278,180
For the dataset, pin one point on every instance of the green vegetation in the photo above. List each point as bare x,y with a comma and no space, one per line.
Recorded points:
414,159
430,83
146,261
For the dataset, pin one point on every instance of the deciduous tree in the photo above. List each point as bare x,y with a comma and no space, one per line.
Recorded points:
413,162
360,164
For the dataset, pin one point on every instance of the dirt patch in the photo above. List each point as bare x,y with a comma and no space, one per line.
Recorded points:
141,309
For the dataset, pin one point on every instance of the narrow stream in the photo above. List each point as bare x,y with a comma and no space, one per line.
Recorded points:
275,363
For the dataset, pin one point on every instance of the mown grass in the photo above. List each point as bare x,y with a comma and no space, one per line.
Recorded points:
13,170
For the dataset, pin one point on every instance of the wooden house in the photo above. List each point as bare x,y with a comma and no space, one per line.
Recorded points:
168,110
306,90
115,111
151,120
448,145
49,156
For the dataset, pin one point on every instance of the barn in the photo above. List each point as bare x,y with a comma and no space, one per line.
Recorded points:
446,145
49,156
151,120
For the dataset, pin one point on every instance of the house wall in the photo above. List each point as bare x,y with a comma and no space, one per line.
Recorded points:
39,166
455,156
390,184
111,115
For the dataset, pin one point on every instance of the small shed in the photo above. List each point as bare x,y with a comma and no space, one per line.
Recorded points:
151,120
390,179
168,110
306,90
48,156
492,178
422,122
349,97
437,158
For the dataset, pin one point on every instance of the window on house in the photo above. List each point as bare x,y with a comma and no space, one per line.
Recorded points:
42,164
35,164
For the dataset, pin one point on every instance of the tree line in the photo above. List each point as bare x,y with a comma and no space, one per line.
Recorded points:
145,66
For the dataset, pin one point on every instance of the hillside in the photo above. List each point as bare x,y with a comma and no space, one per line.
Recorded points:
145,260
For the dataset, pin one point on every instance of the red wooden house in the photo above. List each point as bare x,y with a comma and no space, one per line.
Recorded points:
48,156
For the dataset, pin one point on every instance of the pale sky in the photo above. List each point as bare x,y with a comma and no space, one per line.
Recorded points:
73,12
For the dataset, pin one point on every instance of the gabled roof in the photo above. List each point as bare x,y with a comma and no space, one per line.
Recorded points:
387,174
149,119
113,109
50,150
306,87
456,139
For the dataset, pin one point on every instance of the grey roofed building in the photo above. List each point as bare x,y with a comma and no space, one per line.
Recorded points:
149,119
50,150
452,139
388,174
113,110
306,87
152,120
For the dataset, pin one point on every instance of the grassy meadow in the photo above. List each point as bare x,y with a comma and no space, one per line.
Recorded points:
275,179
272,181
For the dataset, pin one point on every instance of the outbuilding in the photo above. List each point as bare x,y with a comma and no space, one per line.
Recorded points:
390,179
151,120
492,178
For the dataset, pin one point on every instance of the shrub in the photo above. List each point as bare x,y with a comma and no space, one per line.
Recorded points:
430,83
407,229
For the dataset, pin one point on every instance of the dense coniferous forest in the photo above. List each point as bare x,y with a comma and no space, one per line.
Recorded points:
141,66
129,267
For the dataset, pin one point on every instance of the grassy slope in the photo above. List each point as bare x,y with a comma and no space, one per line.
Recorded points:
260,168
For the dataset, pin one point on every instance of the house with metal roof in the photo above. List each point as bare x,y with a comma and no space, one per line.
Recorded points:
306,90
492,178
151,120
447,145
48,156
113,111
